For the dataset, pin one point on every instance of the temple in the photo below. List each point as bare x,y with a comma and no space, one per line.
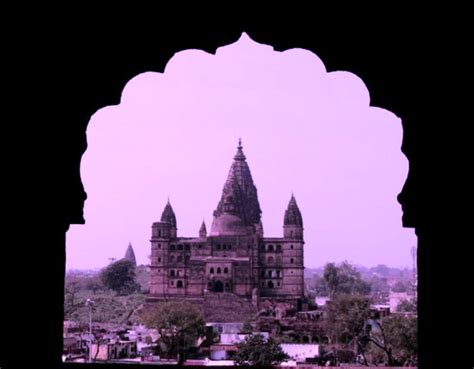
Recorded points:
234,258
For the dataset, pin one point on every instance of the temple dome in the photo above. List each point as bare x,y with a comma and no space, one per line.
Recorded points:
228,225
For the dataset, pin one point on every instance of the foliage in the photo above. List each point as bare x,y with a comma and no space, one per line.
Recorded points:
346,318
108,307
320,286
142,277
396,338
120,277
407,306
258,352
93,283
399,287
180,324
344,278
247,327
72,287
378,284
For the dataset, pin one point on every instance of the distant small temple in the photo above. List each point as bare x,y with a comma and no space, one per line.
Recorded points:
130,254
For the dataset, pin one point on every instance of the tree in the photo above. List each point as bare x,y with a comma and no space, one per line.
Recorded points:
344,278
120,277
247,327
407,306
258,352
93,283
346,319
396,338
399,287
179,324
320,286
72,287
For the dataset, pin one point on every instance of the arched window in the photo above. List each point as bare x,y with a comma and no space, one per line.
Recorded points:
172,283
178,273
278,247
270,247
278,273
291,246
263,247
292,260
270,260
219,271
229,247
218,247
278,284
179,259
159,233
159,245
211,270
179,284
278,259
263,273
171,259
226,270
172,273
159,260
180,247
187,258
270,284
172,247
187,247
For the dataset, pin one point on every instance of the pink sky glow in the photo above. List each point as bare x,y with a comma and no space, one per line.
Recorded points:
303,130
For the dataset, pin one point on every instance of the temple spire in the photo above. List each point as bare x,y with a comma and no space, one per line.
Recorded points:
239,195
203,230
168,215
293,214
130,254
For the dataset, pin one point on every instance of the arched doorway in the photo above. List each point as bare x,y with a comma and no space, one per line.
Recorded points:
218,286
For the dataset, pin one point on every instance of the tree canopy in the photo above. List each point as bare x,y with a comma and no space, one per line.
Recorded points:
180,324
346,318
120,277
344,278
396,339
258,352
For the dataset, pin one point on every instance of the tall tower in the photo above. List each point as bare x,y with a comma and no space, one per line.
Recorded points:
163,233
293,273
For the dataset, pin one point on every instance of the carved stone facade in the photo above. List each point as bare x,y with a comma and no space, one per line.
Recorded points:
234,257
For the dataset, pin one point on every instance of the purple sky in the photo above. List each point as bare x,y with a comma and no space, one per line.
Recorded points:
303,130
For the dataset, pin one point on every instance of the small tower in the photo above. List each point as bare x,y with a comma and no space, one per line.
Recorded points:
202,230
293,221
130,255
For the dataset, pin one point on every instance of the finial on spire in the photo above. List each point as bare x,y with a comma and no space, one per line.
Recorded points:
240,154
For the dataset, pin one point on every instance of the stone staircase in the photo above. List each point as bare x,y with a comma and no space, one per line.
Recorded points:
226,307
